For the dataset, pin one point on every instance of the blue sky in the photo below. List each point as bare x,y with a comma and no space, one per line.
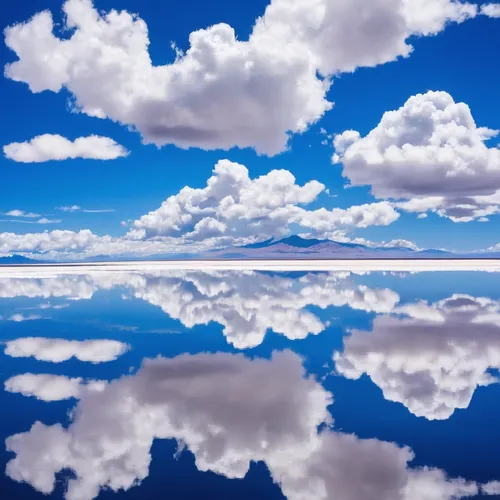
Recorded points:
458,58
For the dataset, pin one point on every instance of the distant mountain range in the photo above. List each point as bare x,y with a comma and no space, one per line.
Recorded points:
17,260
295,247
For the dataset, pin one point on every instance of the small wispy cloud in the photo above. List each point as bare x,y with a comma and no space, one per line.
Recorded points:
21,213
18,318
43,220
45,306
77,208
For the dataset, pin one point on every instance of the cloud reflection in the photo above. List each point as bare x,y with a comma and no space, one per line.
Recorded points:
245,303
59,350
430,358
210,405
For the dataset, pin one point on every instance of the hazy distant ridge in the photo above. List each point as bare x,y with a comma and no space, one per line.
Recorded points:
297,248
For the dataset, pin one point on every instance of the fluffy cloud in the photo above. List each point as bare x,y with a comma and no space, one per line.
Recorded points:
58,350
72,245
46,241
491,10
427,155
246,303
232,206
51,387
208,403
491,488
55,147
217,93
232,209
432,357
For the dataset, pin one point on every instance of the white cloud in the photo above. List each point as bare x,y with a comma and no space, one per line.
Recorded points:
76,208
58,350
433,358
72,208
46,241
491,488
43,220
51,387
22,213
232,206
19,318
208,403
491,10
55,147
427,155
51,306
232,209
217,93
378,244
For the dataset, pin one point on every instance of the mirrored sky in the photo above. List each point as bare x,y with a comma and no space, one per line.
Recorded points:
246,384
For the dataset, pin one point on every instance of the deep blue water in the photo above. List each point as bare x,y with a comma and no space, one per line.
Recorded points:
264,385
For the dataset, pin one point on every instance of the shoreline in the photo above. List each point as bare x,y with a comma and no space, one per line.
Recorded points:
362,265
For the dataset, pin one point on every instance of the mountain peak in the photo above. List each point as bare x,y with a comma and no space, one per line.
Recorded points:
297,241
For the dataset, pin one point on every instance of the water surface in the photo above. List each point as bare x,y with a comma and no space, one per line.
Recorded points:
249,384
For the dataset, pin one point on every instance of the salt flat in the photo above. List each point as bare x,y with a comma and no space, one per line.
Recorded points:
403,265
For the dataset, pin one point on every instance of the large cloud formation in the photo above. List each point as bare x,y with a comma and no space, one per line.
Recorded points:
246,303
233,209
222,92
232,206
427,155
55,147
59,350
208,403
430,358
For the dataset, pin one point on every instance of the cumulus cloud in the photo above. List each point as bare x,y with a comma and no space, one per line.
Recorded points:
75,245
223,91
234,206
429,155
232,209
59,350
46,241
246,303
491,9
51,387
430,358
48,147
491,488
208,403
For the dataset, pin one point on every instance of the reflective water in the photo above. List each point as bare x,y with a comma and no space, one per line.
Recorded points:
251,385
